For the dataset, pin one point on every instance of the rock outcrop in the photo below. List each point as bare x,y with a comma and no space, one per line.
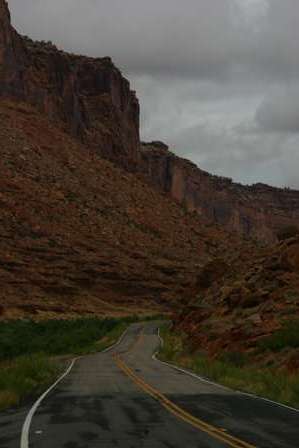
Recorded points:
258,211
241,307
90,97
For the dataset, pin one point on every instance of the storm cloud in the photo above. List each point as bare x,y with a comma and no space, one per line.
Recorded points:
280,111
217,79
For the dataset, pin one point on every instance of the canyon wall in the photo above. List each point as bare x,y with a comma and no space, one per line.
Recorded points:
258,211
89,96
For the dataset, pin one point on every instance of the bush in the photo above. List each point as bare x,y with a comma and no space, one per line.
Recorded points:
236,359
53,337
25,375
287,336
211,272
287,232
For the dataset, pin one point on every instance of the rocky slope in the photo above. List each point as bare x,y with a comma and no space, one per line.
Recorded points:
247,304
78,234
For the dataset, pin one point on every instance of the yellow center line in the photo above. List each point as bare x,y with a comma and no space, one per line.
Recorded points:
134,343
176,410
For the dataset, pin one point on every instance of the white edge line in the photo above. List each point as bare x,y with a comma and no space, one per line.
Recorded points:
116,343
173,366
27,422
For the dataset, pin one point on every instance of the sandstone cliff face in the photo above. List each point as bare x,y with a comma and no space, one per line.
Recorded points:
258,211
88,96
12,55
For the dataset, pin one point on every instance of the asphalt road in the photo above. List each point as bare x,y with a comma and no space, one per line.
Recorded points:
125,398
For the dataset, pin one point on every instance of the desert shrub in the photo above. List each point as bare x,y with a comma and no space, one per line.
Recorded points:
287,336
287,232
211,272
25,376
237,359
51,337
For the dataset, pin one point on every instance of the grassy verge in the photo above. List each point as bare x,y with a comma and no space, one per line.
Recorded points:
24,376
232,371
33,354
287,336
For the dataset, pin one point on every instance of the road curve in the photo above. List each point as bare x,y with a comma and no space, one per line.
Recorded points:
125,398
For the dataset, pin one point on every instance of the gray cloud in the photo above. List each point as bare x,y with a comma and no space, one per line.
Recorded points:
213,76
280,112
197,38
277,41
251,158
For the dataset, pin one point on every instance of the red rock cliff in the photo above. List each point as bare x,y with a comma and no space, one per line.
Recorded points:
89,96
256,211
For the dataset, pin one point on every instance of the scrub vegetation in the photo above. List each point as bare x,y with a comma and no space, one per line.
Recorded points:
287,336
236,370
32,354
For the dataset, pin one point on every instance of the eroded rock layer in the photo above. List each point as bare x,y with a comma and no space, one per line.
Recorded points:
89,96
258,211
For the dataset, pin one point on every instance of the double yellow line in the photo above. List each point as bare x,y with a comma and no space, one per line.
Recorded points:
213,431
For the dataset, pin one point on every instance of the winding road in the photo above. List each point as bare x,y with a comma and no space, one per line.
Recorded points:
127,398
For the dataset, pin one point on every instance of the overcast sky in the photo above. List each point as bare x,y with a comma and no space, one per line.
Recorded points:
218,80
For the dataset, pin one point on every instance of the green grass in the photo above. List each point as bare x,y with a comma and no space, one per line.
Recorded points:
30,351
287,336
53,337
233,371
25,376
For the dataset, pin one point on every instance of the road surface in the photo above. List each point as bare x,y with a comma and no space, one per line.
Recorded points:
125,398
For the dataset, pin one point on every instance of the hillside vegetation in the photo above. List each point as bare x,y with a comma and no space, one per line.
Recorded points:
235,370
249,306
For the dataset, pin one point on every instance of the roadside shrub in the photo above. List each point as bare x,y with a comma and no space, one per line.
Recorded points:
51,337
54,337
287,336
237,359
23,376
287,232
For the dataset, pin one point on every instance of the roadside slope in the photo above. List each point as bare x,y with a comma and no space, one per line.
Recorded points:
80,235
247,311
